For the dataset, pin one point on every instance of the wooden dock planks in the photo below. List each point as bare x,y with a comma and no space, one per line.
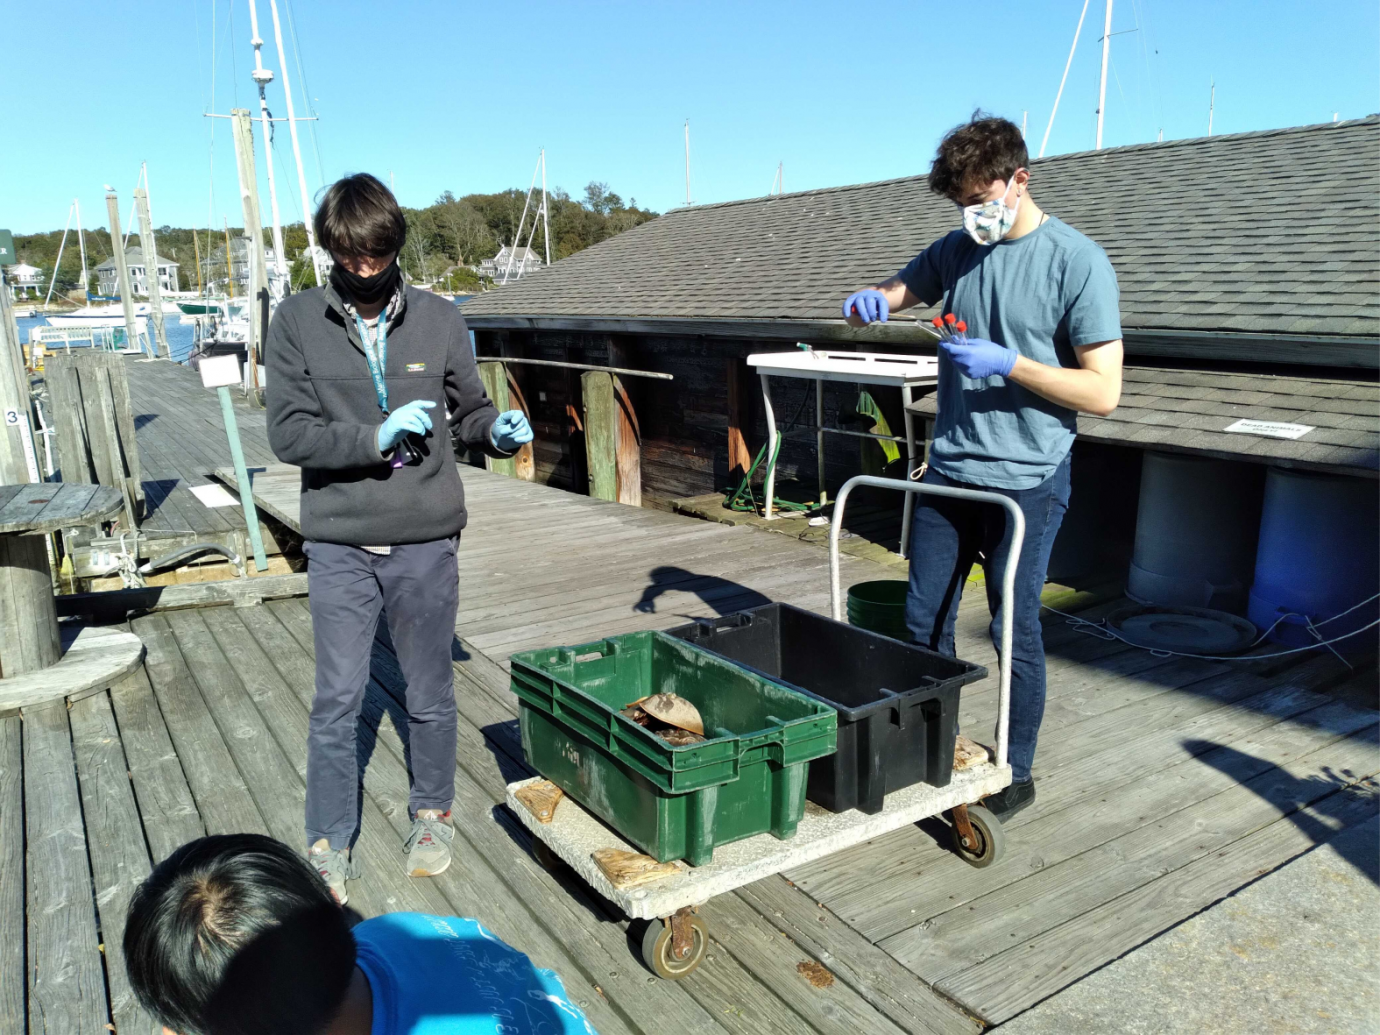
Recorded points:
67,994
13,981
1165,783
119,855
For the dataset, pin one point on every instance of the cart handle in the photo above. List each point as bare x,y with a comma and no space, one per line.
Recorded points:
1008,582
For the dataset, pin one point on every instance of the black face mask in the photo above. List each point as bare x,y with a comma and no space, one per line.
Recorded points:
366,290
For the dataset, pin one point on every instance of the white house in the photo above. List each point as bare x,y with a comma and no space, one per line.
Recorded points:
525,260
23,279
138,273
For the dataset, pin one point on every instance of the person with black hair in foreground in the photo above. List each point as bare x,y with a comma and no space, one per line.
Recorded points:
1042,344
237,935
359,371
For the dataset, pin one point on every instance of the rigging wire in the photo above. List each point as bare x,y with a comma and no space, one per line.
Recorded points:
234,64
306,93
1152,76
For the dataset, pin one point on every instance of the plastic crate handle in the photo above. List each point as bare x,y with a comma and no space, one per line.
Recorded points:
1008,582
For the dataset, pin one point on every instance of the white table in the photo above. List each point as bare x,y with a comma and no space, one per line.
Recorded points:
869,368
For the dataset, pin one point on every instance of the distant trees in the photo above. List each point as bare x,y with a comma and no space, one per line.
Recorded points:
462,231
443,239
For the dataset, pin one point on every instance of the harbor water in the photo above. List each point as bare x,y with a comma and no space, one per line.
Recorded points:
180,335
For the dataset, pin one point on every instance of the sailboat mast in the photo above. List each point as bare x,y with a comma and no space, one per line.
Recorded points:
1055,111
545,216
1102,90
229,269
296,148
517,237
52,281
81,241
262,77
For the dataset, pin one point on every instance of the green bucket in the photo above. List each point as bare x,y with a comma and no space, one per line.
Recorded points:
880,606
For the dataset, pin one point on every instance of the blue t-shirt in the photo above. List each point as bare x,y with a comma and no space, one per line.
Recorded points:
442,975
1042,294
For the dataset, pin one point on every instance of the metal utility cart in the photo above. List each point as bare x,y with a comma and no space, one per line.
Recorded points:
565,833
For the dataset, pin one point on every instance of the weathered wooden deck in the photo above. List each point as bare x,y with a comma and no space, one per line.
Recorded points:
1165,785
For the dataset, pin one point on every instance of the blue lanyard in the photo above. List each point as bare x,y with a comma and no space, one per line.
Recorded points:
377,364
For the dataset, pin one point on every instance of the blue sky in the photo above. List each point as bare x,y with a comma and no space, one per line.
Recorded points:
460,96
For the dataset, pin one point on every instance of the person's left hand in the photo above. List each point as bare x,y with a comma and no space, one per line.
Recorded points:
511,431
978,358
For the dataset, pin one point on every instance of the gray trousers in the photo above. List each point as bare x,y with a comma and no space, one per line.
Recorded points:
417,587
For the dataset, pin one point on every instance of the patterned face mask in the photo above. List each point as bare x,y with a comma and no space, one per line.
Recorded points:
990,221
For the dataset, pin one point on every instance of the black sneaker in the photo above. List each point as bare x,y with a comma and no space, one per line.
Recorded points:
1011,800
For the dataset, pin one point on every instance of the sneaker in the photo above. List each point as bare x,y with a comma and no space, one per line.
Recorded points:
428,846
335,866
1009,801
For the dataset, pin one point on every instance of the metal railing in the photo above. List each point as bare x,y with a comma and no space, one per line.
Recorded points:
620,371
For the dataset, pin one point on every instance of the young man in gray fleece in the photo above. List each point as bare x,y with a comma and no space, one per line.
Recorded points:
364,375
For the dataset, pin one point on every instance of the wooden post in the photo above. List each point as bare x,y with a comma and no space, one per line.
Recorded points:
155,292
117,248
628,443
739,420
253,225
525,459
575,429
612,448
601,422
495,378
28,621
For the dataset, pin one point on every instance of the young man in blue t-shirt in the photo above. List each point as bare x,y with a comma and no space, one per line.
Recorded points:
1043,343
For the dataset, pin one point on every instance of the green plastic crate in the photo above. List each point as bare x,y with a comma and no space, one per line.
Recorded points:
746,778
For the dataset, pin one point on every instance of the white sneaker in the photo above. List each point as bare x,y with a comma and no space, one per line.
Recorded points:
428,846
335,867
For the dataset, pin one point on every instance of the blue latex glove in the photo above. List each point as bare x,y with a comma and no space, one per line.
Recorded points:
869,304
511,431
408,419
978,358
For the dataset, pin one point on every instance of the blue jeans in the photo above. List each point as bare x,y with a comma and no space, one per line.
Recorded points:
946,537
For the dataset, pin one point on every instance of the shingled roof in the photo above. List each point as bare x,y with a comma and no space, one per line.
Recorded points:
1271,235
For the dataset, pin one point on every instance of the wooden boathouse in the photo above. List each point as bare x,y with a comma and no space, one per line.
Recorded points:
1247,290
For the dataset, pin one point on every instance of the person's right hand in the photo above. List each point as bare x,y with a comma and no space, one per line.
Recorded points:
408,419
870,305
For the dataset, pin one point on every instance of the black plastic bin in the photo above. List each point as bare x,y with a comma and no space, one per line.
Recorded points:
897,703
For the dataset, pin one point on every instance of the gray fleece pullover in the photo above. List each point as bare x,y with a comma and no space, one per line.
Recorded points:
323,416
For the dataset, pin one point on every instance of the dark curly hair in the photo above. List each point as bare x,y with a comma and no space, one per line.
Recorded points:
983,149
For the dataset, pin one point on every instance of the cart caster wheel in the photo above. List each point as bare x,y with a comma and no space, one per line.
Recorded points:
548,859
659,954
989,835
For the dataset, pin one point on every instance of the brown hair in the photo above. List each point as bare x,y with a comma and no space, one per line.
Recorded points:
983,149
360,216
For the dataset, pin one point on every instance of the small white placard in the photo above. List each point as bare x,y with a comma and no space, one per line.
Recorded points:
214,495
219,371
1269,428
11,417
